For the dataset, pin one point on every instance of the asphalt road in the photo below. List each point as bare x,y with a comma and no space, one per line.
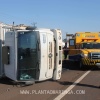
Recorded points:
86,89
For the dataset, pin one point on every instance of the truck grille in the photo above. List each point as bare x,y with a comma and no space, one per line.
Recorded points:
95,55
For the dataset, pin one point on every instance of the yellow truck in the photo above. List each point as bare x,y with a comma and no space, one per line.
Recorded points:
84,47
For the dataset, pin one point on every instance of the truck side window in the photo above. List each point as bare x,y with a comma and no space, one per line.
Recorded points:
71,42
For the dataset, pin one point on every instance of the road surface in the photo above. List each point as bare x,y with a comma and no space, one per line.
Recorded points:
75,84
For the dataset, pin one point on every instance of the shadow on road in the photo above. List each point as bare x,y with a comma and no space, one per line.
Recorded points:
78,84
6,81
71,65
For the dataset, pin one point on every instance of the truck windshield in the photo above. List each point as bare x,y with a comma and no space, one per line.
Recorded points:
90,46
27,55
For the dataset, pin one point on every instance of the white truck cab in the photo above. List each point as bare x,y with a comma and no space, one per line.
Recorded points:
33,55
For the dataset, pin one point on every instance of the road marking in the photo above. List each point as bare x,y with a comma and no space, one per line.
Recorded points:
71,87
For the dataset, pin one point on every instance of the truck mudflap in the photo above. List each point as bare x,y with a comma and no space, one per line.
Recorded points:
90,62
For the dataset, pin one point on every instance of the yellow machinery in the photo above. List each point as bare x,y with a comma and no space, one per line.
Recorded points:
84,47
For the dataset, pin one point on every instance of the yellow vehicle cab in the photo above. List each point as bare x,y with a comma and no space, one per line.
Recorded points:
84,47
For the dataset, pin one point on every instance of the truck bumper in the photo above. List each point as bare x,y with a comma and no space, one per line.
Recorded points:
98,64
90,62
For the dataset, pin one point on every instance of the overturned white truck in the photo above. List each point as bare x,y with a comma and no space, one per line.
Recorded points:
33,55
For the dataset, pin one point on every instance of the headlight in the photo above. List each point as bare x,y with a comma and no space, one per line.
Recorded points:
84,55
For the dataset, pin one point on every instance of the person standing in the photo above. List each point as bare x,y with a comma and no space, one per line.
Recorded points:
65,50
